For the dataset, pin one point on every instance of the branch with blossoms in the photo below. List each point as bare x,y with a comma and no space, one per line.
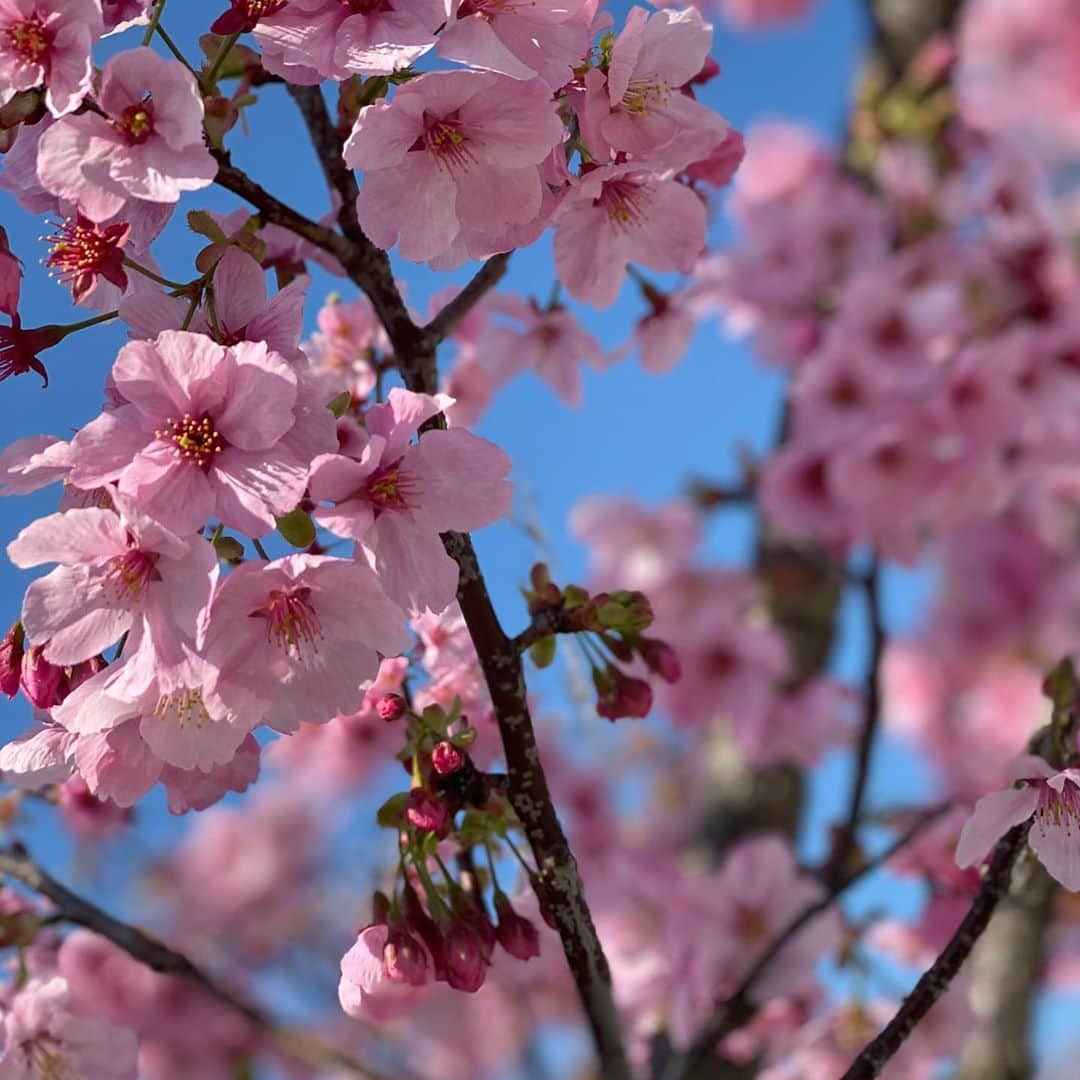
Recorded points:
68,907
168,634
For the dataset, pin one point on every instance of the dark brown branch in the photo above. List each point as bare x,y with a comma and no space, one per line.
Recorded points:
483,281
935,981
559,881
739,1008
17,863
847,839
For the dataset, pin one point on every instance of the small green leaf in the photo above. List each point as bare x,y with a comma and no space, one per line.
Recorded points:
391,815
340,405
297,528
542,652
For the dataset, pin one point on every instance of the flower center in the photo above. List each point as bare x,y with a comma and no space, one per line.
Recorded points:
643,95
182,707
196,439
137,122
291,620
258,9
49,1060
625,202
1058,809
30,39
390,489
130,574
80,250
367,7
445,138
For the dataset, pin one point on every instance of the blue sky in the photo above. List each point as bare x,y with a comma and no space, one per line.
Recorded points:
635,435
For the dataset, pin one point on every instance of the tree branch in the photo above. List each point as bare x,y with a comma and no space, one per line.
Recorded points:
739,1008
559,881
17,863
483,281
935,981
847,839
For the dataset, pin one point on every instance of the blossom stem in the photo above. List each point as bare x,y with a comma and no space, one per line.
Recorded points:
209,80
131,264
155,19
72,328
175,50
16,862
739,1008
257,544
936,979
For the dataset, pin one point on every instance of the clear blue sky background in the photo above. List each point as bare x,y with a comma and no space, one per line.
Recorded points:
636,434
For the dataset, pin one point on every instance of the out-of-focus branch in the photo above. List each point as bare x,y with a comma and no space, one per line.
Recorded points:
17,863
739,1008
901,27
847,839
935,981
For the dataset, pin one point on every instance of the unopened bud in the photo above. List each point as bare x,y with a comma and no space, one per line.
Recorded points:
11,657
391,707
446,758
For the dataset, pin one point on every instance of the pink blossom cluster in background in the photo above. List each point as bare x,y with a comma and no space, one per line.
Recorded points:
253,588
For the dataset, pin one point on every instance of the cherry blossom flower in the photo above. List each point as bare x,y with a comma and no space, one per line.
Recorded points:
44,1036
307,41
116,573
549,341
1052,798
144,716
637,108
242,310
299,637
398,498
204,430
454,151
518,38
148,144
617,214
82,252
366,990
47,43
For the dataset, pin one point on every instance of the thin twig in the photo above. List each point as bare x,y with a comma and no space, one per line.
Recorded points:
16,862
846,841
739,1007
935,981
483,281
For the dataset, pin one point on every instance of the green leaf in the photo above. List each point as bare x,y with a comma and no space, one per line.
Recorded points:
340,405
297,528
391,815
542,652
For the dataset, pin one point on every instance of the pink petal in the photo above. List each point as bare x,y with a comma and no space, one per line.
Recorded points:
994,815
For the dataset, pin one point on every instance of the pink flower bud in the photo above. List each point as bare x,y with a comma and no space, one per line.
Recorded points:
404,957
41,681
516,934
427,811
660,657
422,924
446,758
391,706
78,674
466,966
11,657
19,348
620,695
